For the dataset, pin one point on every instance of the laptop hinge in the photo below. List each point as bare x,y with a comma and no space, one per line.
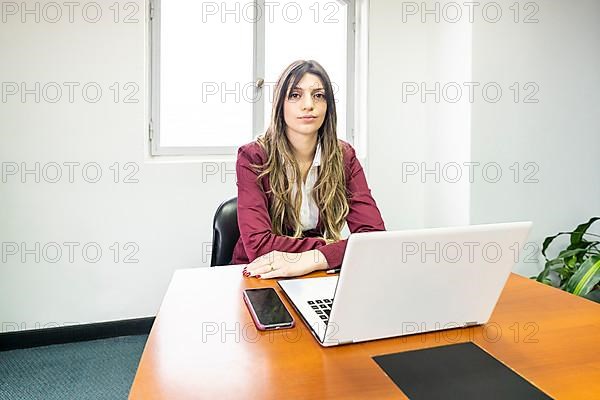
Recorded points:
470,323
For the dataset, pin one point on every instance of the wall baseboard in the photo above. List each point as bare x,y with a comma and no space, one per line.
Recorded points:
74,333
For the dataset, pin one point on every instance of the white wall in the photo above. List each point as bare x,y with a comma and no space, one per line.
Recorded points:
409,135
397,53
446,201
560,134
168,213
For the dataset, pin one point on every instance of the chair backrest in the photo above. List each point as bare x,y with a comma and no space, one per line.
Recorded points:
225,233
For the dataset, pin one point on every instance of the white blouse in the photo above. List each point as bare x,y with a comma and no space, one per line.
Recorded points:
309,212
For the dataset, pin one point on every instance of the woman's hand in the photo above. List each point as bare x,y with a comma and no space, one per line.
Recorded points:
278,264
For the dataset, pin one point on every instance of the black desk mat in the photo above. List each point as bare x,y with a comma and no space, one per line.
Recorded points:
457,371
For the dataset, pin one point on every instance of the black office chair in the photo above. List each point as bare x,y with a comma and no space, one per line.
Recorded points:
225,233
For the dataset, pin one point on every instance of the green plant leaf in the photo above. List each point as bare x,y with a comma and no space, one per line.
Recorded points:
548,275
554,264
585,278
553,279
576,236
573,252
542,275
585,245
549,240
564,273
571,262
548,267
594,295
578,233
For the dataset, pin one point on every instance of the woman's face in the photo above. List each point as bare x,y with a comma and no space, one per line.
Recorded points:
305,106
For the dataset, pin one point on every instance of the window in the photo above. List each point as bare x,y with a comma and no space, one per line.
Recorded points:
214,64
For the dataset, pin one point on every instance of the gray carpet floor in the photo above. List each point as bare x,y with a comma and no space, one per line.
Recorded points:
97,369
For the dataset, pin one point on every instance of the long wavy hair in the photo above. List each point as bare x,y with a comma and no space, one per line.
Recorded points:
329,192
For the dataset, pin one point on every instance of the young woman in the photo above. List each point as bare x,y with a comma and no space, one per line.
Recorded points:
298,183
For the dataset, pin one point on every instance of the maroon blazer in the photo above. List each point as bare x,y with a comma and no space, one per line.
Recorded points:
256,237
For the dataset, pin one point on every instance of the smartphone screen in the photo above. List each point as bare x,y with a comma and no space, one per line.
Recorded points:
268,308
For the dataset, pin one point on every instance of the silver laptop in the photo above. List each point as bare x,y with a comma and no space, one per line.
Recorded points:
396,283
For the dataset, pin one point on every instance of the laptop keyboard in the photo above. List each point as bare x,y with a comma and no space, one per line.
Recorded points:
322,307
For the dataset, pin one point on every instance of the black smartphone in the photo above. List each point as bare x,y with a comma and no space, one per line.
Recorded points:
267,309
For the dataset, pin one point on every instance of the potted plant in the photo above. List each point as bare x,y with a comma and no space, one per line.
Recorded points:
576,269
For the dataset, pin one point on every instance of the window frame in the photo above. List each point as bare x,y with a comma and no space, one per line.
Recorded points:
353,74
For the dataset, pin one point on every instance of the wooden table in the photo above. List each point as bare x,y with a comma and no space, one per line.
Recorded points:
204,345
